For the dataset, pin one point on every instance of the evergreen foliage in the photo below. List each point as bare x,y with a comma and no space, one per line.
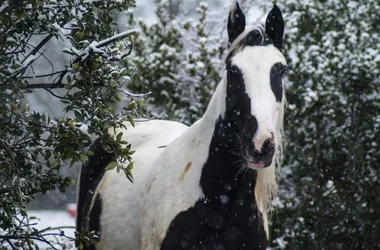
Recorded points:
34,146
330,185
179,62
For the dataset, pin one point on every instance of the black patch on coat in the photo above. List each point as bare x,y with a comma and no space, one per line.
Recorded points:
276,73
227,218
96,210
91,174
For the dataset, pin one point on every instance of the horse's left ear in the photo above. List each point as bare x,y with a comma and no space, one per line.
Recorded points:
236,23
274,27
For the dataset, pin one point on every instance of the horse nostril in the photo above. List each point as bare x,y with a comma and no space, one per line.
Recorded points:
256,154
261,143
265,144
268,150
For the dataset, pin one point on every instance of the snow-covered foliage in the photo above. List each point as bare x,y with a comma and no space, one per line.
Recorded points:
33,145
178,61
329,189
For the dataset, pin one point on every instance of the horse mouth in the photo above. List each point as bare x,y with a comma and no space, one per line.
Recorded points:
258,160
256,165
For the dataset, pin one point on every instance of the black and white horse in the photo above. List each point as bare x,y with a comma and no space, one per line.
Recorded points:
211,186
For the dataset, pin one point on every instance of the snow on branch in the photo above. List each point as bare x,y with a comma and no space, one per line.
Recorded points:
82,55
95,47
65,5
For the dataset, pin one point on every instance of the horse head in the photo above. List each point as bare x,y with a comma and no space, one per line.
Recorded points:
254,93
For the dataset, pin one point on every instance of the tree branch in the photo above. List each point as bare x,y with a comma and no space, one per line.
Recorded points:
46,85
38,47
45,75
53,94
94,47
11,244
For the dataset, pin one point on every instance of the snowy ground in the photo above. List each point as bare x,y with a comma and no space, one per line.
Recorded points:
53,220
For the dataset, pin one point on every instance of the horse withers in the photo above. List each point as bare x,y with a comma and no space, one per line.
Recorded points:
207,186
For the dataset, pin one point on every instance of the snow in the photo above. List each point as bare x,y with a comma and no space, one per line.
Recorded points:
50,221
4,6
53,219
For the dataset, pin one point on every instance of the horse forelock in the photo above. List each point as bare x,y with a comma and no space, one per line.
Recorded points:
252,37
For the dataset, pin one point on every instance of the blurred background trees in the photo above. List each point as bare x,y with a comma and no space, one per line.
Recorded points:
329,189
179,62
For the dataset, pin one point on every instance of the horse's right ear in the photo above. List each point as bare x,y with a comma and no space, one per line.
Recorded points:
235,24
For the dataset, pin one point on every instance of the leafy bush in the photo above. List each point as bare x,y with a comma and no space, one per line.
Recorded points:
34,146
178,62
328,193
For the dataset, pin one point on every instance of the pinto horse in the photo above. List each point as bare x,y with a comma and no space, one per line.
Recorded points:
207,186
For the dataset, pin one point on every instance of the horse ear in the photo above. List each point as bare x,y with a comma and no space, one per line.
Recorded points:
235,24
274,27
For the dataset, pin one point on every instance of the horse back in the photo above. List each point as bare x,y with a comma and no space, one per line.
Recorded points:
98,194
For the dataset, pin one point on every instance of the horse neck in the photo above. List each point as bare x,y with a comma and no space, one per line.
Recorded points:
217,105
225,161
224,167
223,174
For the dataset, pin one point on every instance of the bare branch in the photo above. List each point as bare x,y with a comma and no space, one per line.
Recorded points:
55,95
46,85
46,75
11,244
38,47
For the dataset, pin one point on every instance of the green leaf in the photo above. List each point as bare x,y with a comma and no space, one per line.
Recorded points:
111,165
130,119
55,163
83,158
117,97
140,103
119,136
75,66
130,166
89,153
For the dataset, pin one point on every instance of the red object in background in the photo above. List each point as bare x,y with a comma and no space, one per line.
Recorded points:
71,208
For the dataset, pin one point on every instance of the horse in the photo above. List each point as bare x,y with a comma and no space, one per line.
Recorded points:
207,186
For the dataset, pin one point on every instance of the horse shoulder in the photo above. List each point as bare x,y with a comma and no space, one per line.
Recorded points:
120,197
173,183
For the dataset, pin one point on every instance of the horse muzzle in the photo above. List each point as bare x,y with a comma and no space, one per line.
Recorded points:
262,154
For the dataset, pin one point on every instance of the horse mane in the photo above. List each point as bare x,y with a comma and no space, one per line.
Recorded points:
267,178
240,42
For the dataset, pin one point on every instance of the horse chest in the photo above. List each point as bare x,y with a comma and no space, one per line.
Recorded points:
229,220
226,218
